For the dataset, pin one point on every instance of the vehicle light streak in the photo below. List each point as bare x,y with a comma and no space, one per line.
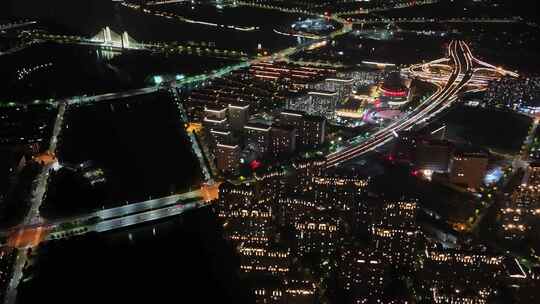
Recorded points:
463,77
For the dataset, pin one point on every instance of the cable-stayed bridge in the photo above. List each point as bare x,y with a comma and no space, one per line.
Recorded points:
108,40
107,37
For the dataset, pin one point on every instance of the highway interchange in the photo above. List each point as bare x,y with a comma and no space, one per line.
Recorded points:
463,73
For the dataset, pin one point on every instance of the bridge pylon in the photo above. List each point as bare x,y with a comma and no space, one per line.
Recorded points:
110,38
128,41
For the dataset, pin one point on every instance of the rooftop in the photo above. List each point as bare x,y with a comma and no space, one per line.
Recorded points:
257,126
215,108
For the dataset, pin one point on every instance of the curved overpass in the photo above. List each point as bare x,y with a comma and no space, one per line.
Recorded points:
462,72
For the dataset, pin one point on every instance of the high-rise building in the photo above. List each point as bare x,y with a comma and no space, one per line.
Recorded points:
521,212
283,140
238,115
318,232
215,123
247,217
285,291
433,155
342,86
217,112
227,157
314,131
468,169
311,129
249,223
405,146
343,196
258,136
257,258
363,273
292,118
454,276
319,207
338,84
306,168
395,232
316,102
215,118
219,136
532,175
300,291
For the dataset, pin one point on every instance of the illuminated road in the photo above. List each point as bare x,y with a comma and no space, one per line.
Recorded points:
194,142
274,7
120,96
522,160
9,26
172,16
134,213
33,216
40,184
388,7
131,208
19,47
110,96
462,73
16,277
202,163
433,20
194,199
148,216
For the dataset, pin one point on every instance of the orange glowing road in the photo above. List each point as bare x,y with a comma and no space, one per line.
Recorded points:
28,237
210,192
